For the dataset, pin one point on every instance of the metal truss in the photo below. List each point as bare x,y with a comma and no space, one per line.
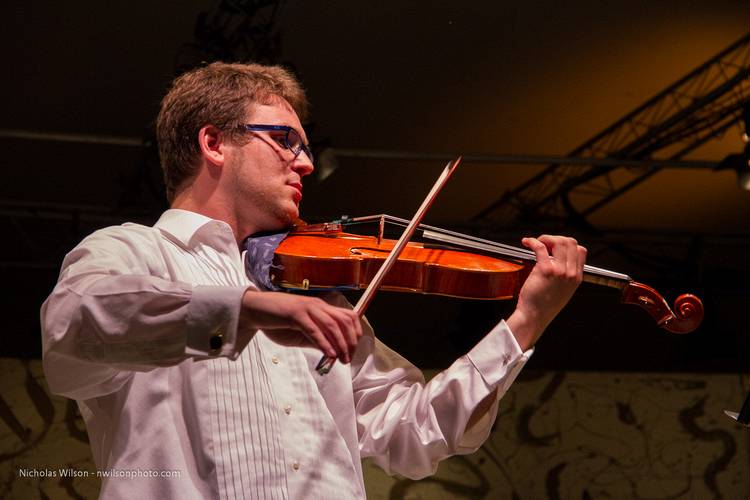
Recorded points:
699,107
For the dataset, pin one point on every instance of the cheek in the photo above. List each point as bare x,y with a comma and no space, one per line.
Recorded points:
244,174
258,186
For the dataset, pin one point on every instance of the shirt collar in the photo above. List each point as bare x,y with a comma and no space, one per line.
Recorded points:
183,224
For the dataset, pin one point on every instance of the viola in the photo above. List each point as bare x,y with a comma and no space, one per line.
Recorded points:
324,257
439,270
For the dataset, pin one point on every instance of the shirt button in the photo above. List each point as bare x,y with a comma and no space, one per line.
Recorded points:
295,465
275,360
288,409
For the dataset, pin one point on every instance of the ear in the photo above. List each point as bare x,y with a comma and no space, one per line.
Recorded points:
212,142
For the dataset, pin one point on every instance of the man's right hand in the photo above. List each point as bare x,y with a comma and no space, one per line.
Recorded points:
332,329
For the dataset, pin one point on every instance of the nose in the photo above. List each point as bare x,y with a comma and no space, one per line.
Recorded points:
302,164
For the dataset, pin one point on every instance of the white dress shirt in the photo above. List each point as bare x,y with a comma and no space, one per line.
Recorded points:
141,331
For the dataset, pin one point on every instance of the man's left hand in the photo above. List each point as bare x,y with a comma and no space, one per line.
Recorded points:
550,285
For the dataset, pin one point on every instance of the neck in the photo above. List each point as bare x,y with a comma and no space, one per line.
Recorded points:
209,204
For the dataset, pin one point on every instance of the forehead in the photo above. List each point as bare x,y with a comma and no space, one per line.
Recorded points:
277,112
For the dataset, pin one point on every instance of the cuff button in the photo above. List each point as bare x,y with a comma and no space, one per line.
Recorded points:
216,341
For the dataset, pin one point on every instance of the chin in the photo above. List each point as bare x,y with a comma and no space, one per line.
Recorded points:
279,217
288,218
293,214
275,223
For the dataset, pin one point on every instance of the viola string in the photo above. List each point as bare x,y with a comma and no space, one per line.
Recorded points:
474,242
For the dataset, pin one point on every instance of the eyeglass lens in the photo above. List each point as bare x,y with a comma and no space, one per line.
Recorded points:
294,142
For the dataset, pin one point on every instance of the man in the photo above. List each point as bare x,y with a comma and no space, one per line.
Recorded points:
195,384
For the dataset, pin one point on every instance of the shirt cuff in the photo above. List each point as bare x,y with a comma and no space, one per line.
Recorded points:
212,318
498,357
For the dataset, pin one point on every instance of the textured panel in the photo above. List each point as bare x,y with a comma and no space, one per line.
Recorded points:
558,436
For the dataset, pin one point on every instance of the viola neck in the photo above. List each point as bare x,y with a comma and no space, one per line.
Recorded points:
591,274
621,281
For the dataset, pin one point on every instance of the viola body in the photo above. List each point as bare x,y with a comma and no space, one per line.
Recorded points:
315,261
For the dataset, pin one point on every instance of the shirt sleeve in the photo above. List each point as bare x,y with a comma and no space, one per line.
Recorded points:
406,425
112,313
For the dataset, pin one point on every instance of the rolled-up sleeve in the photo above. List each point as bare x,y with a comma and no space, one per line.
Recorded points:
406,425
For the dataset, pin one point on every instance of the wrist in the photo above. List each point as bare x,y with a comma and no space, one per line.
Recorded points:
249,313
526,328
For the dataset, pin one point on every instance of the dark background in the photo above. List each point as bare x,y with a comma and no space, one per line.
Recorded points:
83,80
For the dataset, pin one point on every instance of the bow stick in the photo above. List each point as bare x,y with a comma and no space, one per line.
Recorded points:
325,364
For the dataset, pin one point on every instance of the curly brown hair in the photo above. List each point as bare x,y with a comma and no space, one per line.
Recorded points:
216,94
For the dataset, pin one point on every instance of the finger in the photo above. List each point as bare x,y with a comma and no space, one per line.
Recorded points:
309,328
540,251
355,320
344,326
539,248
563,254
328,324
581,252
351,319
357,325
350,326
572,268
571,256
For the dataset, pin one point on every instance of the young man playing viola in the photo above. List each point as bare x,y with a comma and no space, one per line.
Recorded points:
180,363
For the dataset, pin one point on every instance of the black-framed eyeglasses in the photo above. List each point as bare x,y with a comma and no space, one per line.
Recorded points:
292,139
